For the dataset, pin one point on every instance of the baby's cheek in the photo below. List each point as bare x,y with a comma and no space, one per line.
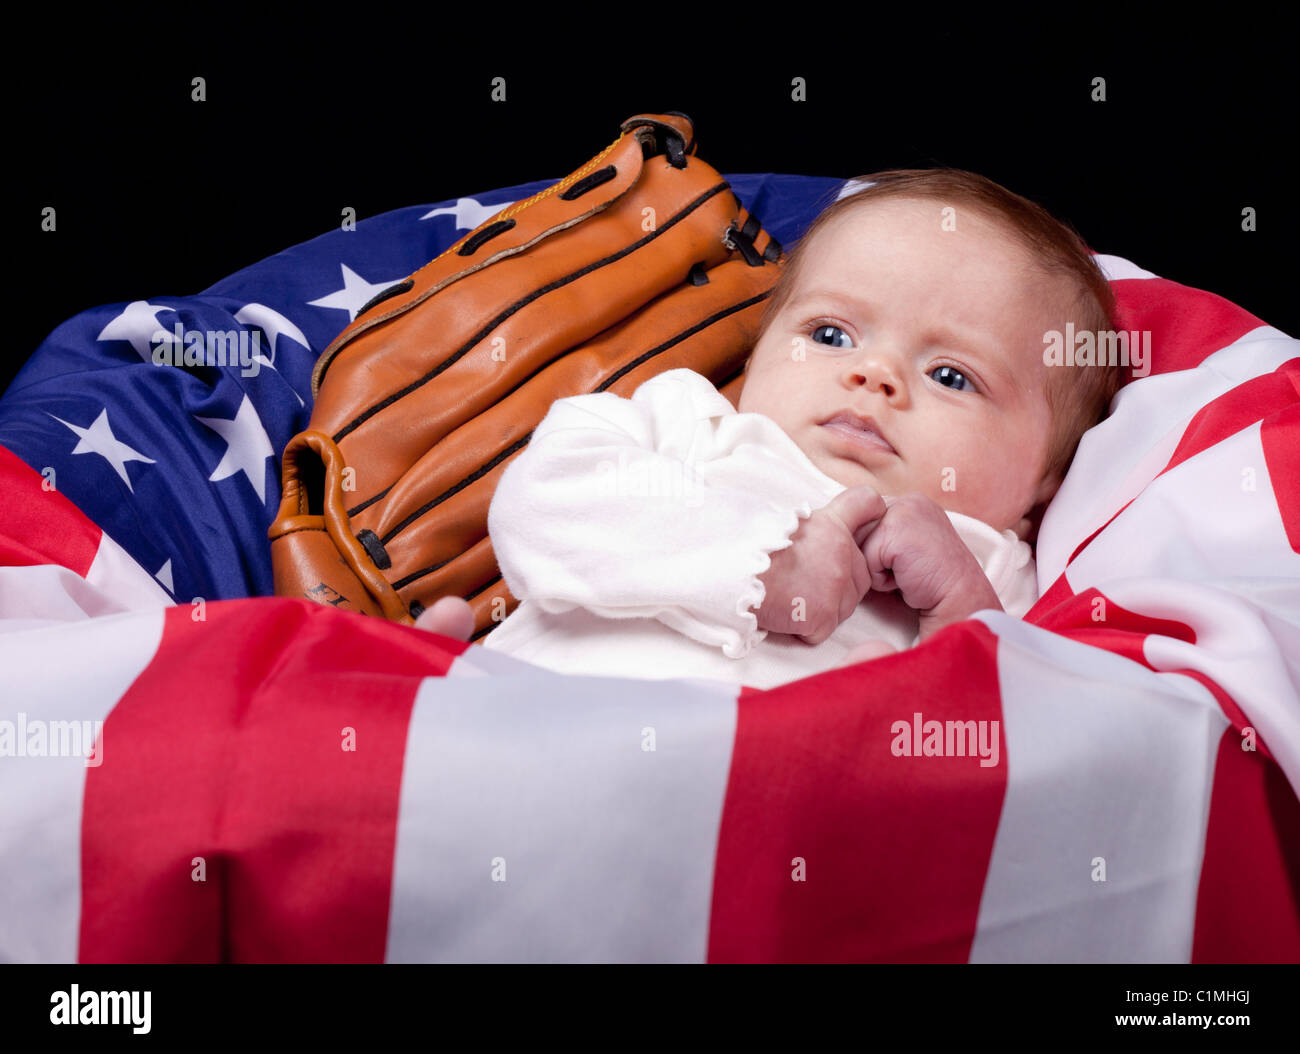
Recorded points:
971,489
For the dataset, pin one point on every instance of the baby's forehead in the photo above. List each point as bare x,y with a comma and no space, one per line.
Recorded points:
904,216
1046,293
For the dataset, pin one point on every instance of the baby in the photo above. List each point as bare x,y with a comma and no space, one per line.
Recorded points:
898,437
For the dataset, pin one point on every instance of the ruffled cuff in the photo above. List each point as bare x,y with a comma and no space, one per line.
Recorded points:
775,537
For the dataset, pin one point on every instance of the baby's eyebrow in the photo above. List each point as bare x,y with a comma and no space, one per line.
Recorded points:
984,355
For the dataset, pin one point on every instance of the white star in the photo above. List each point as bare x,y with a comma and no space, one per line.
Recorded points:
468,212
138,325
247,447
99,439
355,294
852,186
272,323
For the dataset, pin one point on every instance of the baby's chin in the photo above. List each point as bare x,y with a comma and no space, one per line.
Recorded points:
849,473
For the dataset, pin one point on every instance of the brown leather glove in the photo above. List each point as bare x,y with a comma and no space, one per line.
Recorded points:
641,261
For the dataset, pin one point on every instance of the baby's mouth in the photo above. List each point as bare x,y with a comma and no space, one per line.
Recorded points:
860,430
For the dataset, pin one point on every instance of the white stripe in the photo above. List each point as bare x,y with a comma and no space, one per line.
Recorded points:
44,593
117,575
72,671
1213,517
1105,759
1200,547
1247,642
478,661
1119,457
608,848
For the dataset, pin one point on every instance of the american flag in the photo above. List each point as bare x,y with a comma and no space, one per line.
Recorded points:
193,771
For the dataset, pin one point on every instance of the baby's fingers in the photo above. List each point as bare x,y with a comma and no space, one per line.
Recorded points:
449,616
879,558
861,583
858,508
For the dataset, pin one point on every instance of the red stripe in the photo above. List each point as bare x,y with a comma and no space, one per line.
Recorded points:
895,848
1258,399
1186,324
1248,903
1254,400
41,526
1123,632
1280,438
229,747
1252,858
1092,618
1059,592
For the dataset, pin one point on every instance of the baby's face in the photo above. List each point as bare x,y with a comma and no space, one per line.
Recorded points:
934,335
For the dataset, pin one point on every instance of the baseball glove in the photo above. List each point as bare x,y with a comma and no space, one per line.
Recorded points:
641,261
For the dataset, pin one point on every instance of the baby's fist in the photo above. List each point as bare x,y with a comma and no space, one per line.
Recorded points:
916,550
817,581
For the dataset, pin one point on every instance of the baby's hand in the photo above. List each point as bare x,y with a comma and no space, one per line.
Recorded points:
817,581
916,550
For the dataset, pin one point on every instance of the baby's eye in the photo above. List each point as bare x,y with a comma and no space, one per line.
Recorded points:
830,335
951,377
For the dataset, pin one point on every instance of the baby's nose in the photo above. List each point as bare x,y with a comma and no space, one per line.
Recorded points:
877,374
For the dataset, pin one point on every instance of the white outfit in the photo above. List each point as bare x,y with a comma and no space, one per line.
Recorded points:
633,532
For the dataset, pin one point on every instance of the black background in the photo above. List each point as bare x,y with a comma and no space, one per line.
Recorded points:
157,195
354,1007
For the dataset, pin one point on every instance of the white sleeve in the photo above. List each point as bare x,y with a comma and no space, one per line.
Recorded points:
647,508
